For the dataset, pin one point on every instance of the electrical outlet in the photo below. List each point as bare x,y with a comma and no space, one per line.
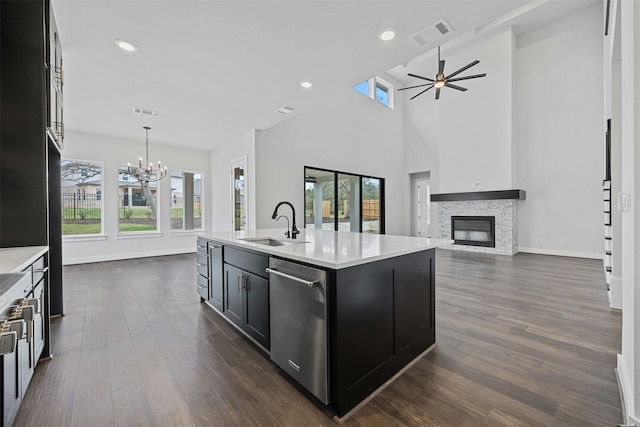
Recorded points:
136,244
562,241
540,241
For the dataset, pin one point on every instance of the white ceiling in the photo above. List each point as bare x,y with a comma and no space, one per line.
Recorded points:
218,69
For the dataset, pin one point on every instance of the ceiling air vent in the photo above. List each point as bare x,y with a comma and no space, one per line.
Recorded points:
431,33
285,109
145,112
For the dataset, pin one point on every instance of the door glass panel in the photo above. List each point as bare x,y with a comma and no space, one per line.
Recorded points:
348,203
371,200
319,203
239,201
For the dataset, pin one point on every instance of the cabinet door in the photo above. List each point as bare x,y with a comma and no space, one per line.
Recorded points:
233,294
216,278
257,308
11,377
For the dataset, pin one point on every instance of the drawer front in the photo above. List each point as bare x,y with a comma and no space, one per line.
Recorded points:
247,261
203,286
201,246
202,265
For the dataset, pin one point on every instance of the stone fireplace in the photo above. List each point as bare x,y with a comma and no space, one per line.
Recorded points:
501,205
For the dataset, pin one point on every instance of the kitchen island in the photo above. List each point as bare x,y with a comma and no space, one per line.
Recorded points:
363,303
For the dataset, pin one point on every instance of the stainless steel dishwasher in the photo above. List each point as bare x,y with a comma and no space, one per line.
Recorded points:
298,318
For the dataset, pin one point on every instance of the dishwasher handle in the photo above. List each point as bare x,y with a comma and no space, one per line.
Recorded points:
294,278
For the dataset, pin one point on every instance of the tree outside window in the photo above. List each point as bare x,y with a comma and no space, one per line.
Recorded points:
81,183
138,208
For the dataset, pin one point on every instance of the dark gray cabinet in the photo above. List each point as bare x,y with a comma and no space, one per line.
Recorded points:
202,269
246,303
381,317
216,281
235,282
380,314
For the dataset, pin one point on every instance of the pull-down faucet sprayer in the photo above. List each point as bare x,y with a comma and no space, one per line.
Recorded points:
294,230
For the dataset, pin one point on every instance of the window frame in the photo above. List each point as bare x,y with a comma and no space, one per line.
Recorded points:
202,204
373,84
153,232
99,198
360,177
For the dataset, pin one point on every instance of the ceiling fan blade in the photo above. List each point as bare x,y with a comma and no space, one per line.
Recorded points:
438,93
412,87
475,76
441,67
447,84
422,92
466,67
420,77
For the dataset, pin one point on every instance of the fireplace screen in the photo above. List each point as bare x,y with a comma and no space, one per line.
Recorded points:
474,230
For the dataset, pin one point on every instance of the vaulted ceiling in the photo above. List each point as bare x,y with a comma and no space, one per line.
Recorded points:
215,70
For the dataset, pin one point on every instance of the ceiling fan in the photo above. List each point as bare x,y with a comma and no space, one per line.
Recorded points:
441,80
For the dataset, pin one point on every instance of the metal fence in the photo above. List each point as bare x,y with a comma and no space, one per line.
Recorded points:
76,206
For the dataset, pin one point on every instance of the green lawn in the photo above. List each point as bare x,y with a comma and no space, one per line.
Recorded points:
136,227
70,229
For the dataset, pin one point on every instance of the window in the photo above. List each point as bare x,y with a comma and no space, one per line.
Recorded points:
343,202
138,209
377,89
81,184
186,200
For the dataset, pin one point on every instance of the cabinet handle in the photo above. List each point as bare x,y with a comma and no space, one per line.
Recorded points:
201,265
238,282
41,270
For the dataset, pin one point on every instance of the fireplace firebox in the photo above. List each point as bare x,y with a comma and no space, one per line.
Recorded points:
474,230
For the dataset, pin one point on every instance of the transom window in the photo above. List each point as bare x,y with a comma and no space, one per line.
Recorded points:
377,89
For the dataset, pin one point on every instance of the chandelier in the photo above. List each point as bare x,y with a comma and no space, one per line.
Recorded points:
147,173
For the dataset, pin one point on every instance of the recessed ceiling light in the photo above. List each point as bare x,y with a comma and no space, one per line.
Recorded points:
387,34
306,84
126,46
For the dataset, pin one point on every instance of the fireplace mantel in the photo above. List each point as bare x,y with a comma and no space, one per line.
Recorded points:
480,195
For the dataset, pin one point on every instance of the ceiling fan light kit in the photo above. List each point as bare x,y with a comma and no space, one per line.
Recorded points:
441,80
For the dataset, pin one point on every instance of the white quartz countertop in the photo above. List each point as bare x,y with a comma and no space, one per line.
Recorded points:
332,249
14,260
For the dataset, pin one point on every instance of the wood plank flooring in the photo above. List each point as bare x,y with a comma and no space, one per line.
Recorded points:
527,340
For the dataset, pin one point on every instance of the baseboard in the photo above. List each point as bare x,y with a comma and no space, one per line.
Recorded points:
624,386
558,252
121,256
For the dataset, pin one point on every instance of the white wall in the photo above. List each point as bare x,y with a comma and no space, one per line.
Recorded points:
628,366
112,152
221,158
560,144
475,126
352,134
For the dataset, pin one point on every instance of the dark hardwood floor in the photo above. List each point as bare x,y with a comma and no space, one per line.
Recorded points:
527,340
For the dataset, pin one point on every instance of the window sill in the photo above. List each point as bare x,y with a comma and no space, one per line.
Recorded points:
138,235
84,237
178,233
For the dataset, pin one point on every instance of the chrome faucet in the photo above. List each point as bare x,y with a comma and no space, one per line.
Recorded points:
287,218
294,230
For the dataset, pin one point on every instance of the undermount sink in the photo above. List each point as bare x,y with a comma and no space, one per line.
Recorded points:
269,241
